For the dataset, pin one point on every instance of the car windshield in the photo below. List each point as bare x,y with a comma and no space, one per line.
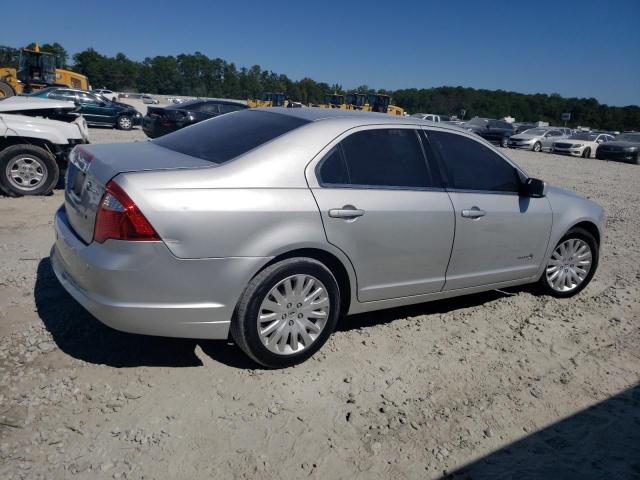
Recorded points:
584,136
535,131
629,137
226,137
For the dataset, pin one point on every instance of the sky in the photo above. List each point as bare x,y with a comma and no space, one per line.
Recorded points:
575,48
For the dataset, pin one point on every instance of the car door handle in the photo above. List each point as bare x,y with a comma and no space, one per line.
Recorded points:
473,212
347,212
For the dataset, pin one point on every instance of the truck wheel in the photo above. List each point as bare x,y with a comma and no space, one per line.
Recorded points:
124,123
27,170
6,90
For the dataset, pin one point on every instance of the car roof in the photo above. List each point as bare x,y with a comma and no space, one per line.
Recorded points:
356,117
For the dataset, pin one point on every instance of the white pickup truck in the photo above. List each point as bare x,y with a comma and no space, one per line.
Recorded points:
36,136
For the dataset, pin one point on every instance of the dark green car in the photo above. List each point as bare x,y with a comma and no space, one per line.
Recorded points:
96,110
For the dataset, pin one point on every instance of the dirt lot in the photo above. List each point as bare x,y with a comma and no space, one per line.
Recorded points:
497,385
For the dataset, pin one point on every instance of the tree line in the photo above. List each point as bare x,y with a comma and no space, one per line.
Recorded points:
200,76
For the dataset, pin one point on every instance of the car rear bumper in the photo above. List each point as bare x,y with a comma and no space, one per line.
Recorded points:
140,287
153,128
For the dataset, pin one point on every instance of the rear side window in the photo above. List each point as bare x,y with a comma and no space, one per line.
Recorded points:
226,137
382,157
472,166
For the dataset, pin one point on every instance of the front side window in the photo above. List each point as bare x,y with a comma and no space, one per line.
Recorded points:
378,158
88,98
470,165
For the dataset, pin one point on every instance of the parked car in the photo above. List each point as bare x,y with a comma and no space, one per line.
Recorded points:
521,127
432,117
475,124
270,224
536,139
623,148
497,131
149,100
162,120
36,136
583,144
108,94
94,108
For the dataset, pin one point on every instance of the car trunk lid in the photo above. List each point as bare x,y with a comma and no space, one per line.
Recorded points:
92,166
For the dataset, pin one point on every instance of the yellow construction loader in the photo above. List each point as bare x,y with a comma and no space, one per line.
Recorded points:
37,70
382,103
334,101
269,99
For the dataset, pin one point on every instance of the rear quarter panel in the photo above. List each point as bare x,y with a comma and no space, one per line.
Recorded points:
228,222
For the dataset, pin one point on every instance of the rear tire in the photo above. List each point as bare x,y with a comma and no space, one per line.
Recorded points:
124,123
6,90
27,170
282,337
586,153
580,237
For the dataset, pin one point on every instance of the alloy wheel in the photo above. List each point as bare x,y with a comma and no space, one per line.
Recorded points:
569,265
293,314
26,173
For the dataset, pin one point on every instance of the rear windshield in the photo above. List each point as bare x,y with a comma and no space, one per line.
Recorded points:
226,137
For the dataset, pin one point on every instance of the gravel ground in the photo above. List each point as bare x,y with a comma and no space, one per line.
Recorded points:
504,384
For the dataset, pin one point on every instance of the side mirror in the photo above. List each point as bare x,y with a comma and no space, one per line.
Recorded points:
532,187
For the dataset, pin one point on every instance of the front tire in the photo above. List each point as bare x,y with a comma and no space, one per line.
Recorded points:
27,170
504,143
537,147
124,123
572,264
586,153
6,90
287,312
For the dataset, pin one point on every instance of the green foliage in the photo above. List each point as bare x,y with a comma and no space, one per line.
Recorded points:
198,75
523,107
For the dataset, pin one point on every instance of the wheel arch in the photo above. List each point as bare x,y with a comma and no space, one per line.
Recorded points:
343,274
590,227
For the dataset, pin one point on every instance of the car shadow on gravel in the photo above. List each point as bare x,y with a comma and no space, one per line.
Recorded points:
363,320
602,441
80,335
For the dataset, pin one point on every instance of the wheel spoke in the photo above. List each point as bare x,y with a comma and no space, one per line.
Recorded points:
293,314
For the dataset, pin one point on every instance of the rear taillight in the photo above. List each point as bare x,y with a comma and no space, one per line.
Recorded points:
120,219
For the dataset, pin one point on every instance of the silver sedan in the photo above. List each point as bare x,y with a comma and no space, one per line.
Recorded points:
536,139
269,225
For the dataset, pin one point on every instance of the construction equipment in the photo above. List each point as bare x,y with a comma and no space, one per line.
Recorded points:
356,101
334,101
382,103
37,70
269,99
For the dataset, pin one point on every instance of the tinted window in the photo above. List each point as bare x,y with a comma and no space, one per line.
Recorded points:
228,108
65,95
473,166
226,137
333,169
386,157
211,108
87,98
